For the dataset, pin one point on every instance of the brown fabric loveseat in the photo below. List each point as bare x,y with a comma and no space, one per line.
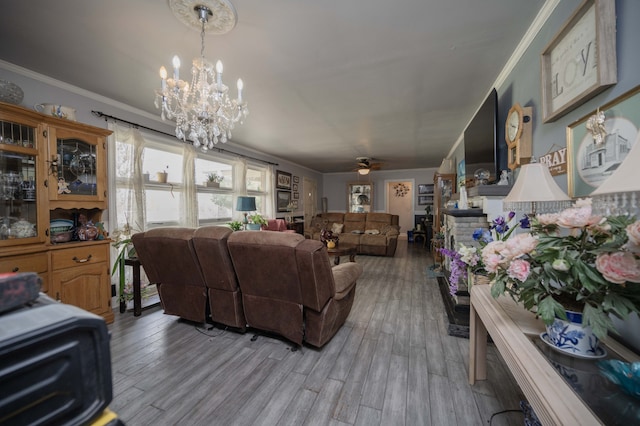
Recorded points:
371,233
273,281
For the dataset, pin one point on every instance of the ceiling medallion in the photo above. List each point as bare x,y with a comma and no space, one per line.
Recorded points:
222,15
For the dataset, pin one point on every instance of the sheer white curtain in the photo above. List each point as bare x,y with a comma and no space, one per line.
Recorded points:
189,204
127,213
269,207
128,205
239,183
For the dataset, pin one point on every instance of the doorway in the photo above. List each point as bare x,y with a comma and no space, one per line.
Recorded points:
400,196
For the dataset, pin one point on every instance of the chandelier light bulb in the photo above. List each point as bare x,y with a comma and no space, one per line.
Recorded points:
219,67
240,87
176,68
163,73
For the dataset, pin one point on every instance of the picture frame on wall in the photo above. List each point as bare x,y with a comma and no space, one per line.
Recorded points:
296,195
296,179
283,180
590,163
295,187
424,200
283,200
590,36
425,188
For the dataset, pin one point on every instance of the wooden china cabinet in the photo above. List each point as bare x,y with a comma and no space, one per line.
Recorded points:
54,169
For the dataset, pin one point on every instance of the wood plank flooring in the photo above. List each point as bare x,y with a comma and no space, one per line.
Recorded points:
392,363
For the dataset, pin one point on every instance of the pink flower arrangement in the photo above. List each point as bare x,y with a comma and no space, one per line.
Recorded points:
571,260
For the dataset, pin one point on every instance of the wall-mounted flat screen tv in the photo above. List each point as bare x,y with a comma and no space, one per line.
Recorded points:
480,139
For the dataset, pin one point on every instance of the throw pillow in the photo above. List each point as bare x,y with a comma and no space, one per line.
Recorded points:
336,228
372,232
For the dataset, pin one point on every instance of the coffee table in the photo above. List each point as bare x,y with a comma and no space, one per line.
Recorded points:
343,250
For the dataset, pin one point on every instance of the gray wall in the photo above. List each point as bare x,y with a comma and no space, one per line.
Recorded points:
335,186
523,84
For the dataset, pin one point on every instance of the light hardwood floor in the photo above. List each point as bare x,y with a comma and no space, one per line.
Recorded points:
392,363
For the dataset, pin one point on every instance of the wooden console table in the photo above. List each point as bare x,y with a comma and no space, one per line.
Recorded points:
513,329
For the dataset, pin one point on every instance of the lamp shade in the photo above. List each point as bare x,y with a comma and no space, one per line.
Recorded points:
535,191
246,204
619,193
364,171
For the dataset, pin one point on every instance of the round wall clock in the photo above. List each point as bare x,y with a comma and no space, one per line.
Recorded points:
517,133
513,126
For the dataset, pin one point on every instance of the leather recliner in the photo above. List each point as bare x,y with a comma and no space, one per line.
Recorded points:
225,300
289,286
170,262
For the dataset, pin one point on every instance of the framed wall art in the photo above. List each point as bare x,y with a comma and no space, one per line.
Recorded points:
283,200
599,142
580,61
296,179
283,180
295,187
296,195
424,200
425,188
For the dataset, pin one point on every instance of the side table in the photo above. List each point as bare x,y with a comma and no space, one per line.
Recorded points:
137,293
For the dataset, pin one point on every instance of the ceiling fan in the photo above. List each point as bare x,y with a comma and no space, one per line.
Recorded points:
365,165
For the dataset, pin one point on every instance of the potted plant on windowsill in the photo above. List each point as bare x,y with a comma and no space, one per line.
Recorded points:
162,175
213,180
255,222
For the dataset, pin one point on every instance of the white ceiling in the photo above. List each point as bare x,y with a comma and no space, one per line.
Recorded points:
326,81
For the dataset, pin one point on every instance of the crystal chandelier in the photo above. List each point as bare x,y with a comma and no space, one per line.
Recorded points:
203,111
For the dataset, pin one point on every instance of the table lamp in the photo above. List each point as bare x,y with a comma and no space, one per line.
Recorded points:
618,195
535,191
246,205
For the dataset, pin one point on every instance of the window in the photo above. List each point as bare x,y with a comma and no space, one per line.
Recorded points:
205,167
159,160
215,204
256,184
173,202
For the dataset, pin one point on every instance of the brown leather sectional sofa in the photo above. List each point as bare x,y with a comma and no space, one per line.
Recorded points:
371,233
272,281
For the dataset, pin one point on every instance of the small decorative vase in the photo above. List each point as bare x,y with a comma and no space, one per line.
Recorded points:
572,338
162,177
325,235
213,184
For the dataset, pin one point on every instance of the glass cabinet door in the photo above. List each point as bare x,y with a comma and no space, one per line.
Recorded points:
19,173
359,197
444,189
78,169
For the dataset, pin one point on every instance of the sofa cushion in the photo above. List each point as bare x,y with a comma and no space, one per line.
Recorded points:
373,240
351,239
345,276
379,217
354,222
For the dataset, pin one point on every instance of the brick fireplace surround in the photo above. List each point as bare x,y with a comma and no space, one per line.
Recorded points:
459,226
